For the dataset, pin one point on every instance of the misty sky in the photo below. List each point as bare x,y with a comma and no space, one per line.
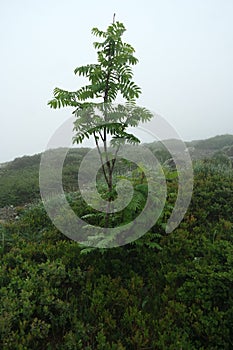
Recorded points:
185,70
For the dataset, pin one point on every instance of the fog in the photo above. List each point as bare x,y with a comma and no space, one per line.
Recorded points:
185,51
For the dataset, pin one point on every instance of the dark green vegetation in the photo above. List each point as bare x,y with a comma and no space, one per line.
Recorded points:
161,292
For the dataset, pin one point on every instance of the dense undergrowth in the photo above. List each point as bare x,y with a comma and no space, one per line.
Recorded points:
164,291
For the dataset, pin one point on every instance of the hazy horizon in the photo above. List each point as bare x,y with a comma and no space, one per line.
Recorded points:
185,52
85,145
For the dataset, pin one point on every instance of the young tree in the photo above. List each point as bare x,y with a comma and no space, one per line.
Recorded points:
95,113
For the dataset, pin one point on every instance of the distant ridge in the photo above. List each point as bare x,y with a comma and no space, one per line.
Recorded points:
213,144
19,179
216,142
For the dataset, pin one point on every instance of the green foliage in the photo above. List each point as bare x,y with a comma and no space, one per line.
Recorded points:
19,186
110,76
161,292
19,182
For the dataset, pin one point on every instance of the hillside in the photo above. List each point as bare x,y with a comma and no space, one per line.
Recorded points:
199,149
19,178
163,291
215,143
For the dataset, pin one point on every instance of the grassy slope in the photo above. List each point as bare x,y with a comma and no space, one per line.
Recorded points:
19,179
